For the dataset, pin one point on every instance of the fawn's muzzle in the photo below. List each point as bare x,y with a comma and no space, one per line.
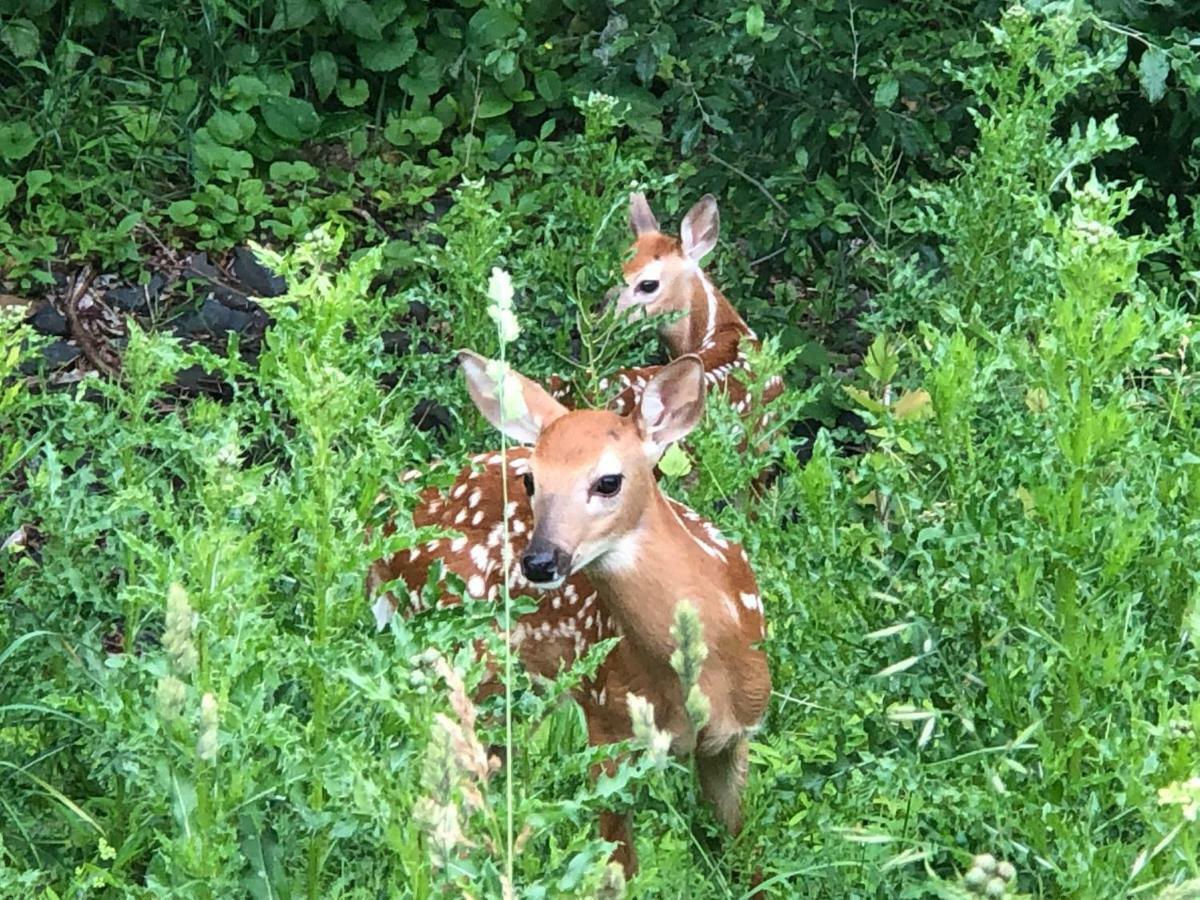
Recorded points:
542,564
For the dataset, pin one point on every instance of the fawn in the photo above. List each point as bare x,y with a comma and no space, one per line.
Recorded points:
663,275
590,504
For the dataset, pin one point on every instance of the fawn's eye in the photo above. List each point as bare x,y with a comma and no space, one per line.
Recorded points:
647,287
528,478
608,485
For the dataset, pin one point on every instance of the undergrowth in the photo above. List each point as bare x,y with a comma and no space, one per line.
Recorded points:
984,609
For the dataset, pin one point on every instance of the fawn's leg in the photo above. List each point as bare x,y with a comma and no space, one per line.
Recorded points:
722,778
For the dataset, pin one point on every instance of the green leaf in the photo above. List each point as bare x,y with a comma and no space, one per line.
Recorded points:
8,191
294,14
21,37
182,212
17,140
755,21
230,128
426,129
493,104
244,92
291,118
1152,73
675,463
886,92
352,93
549,85
35,180
360,20
491,26
323,68
386,56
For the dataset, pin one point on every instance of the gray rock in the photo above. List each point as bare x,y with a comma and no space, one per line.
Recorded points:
257,278
46,319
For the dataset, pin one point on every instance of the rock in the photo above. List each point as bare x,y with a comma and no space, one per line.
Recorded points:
200,269
396,342
195,380
418,313
137,298
212,318
46,319
57,355
432,417
257,278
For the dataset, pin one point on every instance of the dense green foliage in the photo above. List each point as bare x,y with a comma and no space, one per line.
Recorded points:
964,224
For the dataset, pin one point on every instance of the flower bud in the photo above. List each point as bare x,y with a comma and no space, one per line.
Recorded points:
170,696
206,743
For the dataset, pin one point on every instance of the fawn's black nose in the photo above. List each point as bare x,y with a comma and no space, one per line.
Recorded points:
540,564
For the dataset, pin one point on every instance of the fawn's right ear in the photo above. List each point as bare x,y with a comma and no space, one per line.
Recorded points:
641,219
510,401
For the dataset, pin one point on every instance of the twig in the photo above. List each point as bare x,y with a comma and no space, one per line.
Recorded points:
754,181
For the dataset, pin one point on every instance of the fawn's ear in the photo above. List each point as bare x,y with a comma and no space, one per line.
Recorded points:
641,219
700,228
672,404
510,401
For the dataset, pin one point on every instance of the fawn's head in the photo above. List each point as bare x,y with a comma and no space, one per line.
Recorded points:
663,275
591,475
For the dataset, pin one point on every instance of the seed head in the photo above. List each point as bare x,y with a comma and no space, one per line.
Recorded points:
206,743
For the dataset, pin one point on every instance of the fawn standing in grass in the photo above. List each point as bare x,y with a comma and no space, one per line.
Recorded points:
590,505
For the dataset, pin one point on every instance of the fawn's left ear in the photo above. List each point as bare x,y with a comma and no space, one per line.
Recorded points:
511,402
641,218
672,404
700,228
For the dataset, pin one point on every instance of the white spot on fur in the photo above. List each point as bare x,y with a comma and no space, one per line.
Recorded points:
477,518
479,556
752,602
383,612
476,586
473,500
459,491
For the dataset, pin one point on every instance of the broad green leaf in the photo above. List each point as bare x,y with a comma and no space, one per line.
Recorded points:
245,91
35,180
1152,73
426,129
230,128
21,37
360,20
549,85
291,14
490,26
913,405
8,191
323,68
386,56
886,92
352,93
17,140
291,118
675,463
493,104
755,21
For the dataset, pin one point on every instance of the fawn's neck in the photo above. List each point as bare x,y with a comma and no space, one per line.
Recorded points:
709,313
652,568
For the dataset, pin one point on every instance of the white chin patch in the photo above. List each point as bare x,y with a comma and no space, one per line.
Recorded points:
548,585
